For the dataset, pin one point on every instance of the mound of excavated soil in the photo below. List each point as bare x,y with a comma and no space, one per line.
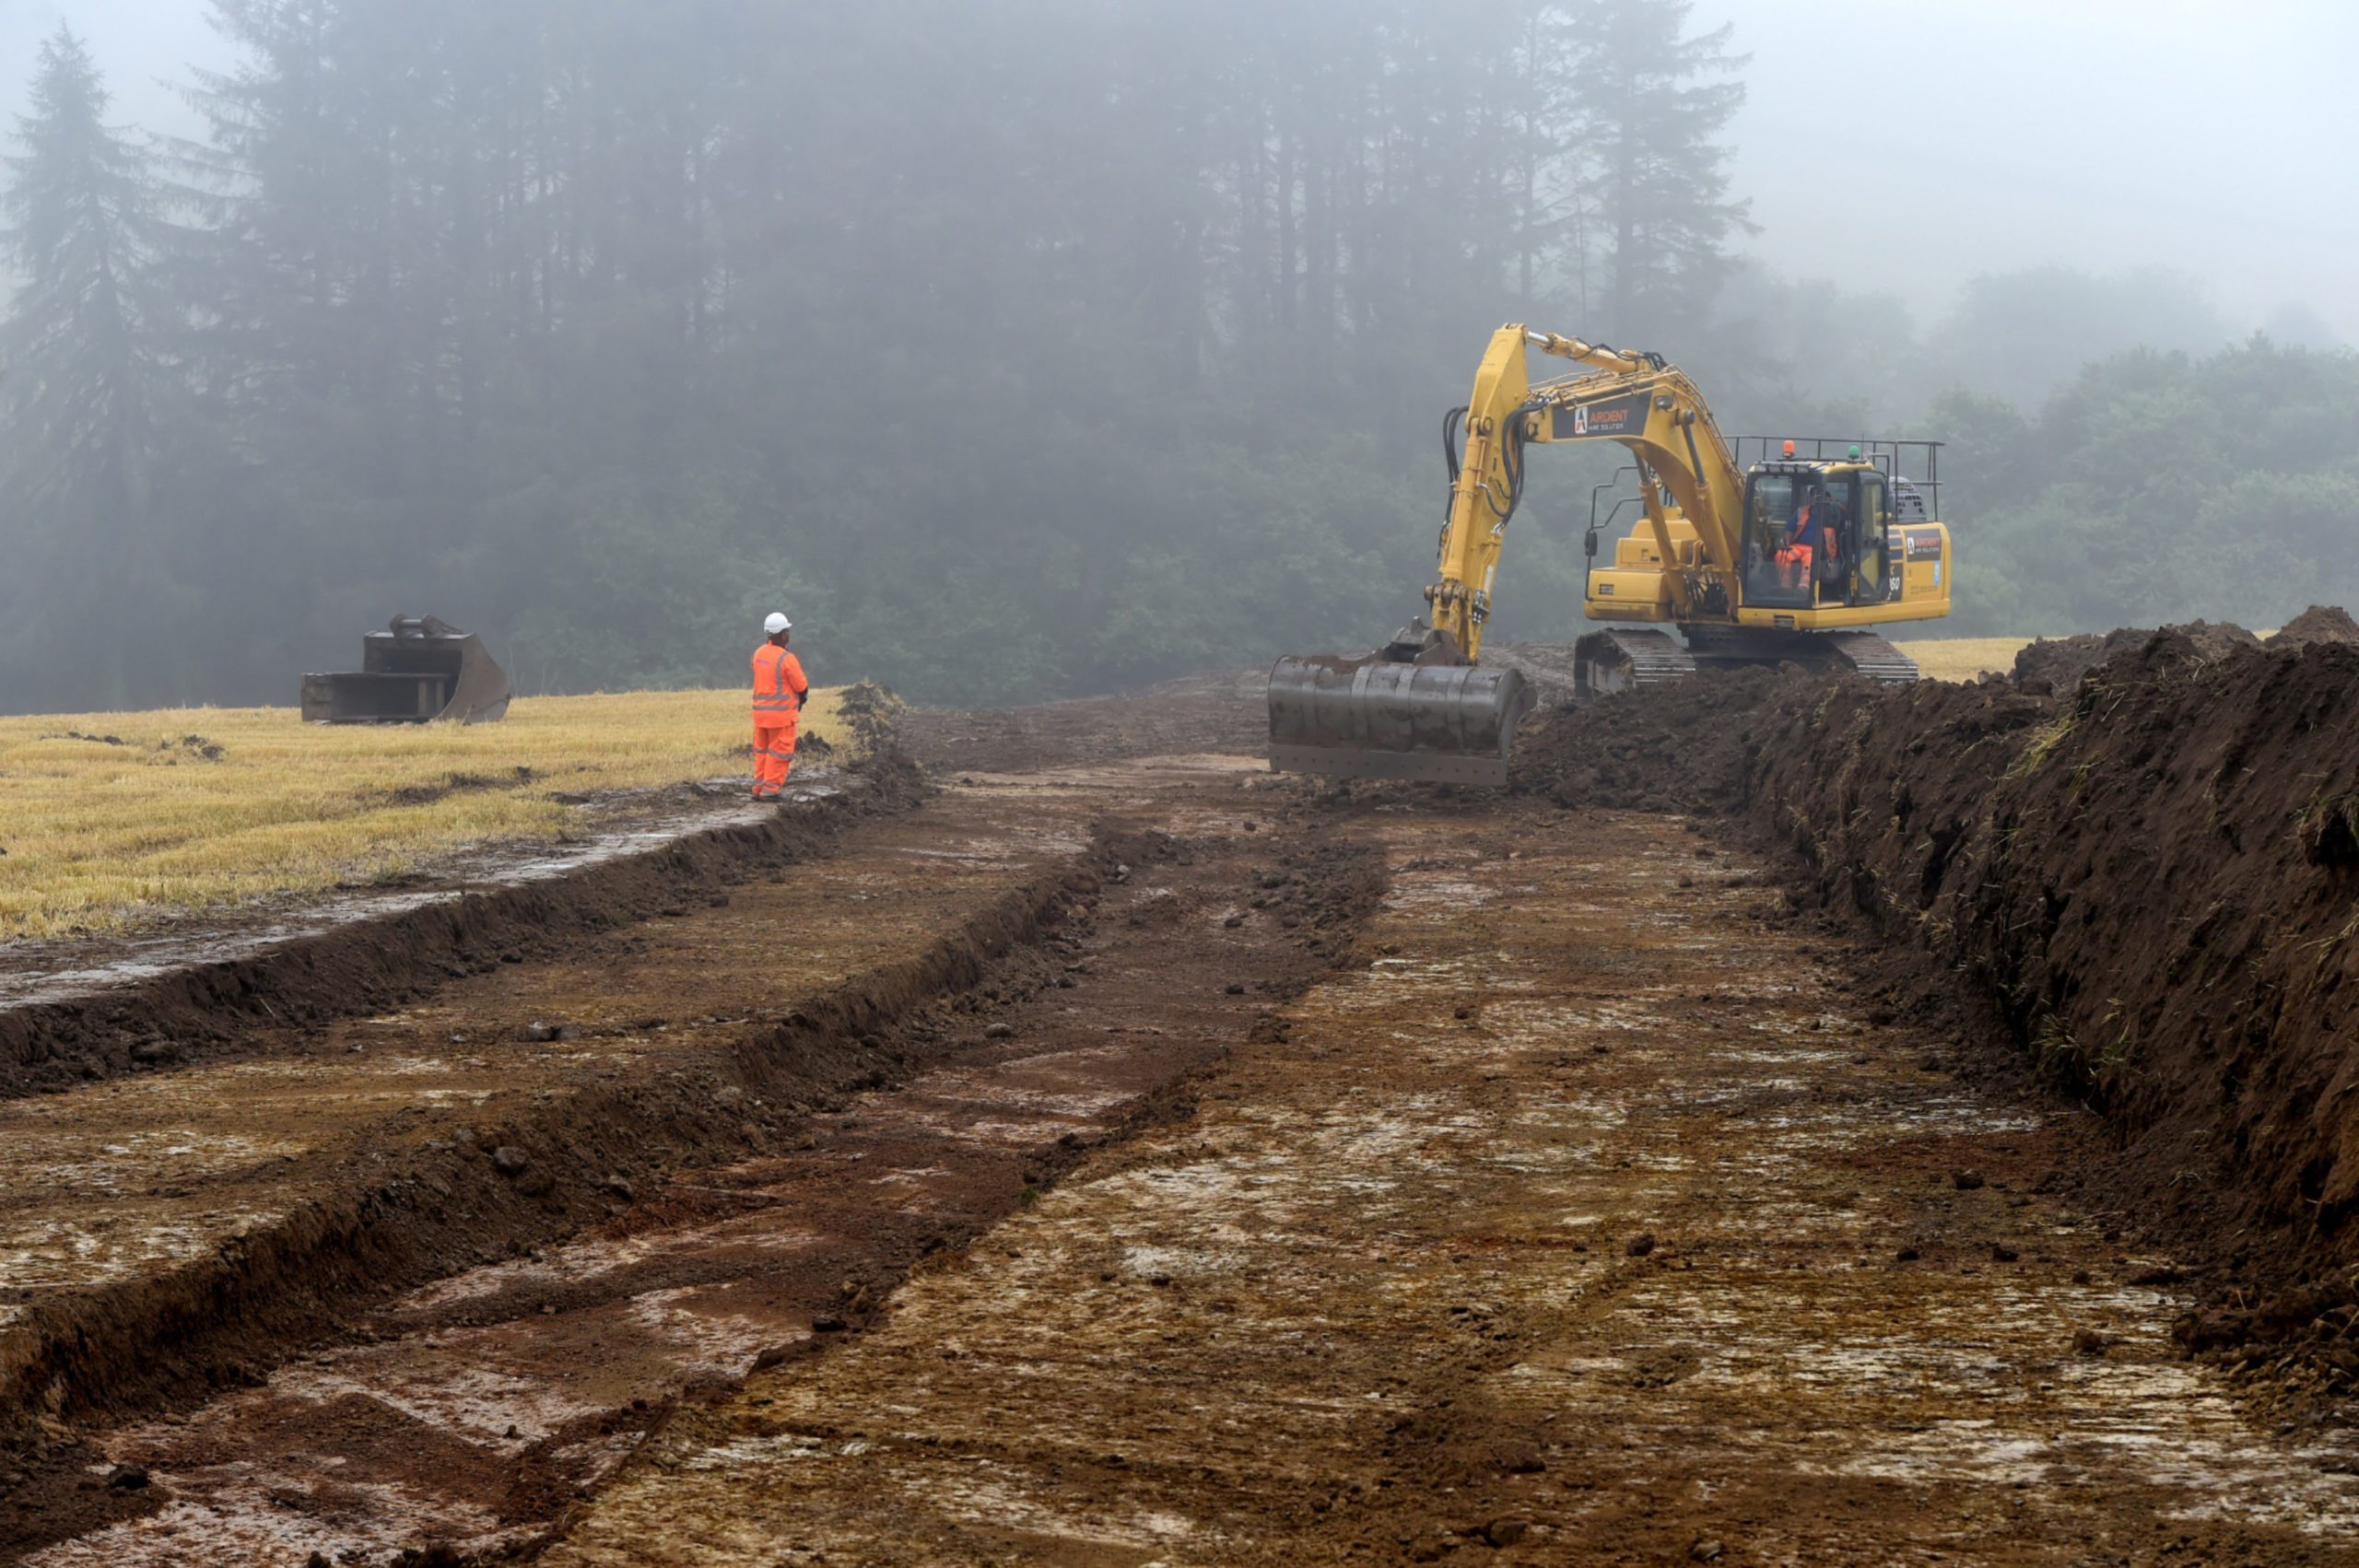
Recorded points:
1226,711
2156,879
1681,748
2320,622
2060,662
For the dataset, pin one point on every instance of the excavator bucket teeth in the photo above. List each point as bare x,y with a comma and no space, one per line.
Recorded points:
416,670
1376,719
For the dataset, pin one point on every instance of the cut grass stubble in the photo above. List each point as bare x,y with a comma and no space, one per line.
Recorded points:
204,808
109,820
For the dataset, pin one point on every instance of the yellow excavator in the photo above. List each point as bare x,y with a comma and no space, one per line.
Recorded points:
1787,560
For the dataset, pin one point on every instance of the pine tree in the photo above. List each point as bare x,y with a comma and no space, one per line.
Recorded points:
83,383
1653,113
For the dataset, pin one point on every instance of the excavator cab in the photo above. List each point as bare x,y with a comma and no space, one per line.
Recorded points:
1777,575
1868,498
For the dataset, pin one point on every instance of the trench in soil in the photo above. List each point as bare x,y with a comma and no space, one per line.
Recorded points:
997,986
1584,1217
240,986
1593,1211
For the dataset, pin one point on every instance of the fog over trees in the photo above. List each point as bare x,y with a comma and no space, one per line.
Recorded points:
1018,348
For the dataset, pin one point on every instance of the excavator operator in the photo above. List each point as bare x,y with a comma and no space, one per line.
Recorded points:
1814,548
779,688
1794,556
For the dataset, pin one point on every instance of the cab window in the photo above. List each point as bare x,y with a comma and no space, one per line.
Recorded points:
1869,582
1771,501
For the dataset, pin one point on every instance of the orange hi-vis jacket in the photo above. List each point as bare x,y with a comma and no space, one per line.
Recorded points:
779,685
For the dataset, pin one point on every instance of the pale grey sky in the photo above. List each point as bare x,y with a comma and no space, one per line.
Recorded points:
136,41
1907,144
1902,144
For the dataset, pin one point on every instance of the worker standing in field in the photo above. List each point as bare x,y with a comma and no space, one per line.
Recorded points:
779,687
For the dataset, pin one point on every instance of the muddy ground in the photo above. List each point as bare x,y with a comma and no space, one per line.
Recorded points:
2144,887
1103,1152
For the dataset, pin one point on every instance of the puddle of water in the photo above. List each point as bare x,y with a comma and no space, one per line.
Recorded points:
153,957
270,1520
597,1258
99,1250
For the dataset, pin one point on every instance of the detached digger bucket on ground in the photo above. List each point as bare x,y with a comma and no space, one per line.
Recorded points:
419,671
1375,718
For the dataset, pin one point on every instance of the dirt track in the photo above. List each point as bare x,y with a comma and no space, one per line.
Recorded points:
1117,1158
1584,1219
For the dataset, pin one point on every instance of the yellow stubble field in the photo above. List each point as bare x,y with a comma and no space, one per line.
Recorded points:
107,819
1963,657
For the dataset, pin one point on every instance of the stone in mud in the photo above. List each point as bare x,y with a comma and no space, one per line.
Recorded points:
1641,1245
1000,1032
1505,1532
127,1478
826,1323
509,1160
1966,1181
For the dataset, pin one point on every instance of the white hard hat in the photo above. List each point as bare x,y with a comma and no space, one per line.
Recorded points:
777,624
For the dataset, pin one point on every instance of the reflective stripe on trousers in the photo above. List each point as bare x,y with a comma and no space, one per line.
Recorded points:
774,757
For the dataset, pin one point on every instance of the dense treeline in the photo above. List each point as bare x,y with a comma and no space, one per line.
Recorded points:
2160,487
1018,348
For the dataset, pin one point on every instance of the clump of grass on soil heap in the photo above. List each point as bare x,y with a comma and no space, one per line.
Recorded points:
106,819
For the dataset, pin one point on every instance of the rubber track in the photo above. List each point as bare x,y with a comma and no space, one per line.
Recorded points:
1652,657
1872,656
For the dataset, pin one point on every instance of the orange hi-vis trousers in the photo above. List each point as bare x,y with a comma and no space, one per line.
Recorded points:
774,757
1794,565
779,687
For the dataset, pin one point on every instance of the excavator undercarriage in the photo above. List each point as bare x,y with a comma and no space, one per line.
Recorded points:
1627,659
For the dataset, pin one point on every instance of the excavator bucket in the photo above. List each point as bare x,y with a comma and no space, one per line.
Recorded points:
1383,717
418,670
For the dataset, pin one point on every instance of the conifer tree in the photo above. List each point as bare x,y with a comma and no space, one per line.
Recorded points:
82,375
1654,108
